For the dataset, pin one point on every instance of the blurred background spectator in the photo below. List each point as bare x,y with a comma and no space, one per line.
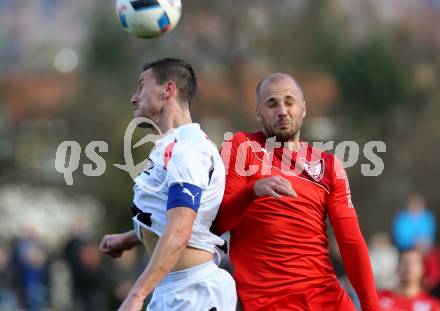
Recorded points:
91,278
126,270
384,258
432,268
30,266
414,226
8,299
409,294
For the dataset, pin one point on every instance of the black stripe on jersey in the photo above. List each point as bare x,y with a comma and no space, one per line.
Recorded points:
143,217
211,171
141,4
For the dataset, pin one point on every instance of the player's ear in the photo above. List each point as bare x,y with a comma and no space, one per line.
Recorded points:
304,109
257,112
169,90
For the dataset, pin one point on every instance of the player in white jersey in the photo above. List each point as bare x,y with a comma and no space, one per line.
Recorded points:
176,199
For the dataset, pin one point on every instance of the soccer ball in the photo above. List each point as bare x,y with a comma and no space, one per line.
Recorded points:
148,18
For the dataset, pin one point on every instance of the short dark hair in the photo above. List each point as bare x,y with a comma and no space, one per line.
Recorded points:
177,70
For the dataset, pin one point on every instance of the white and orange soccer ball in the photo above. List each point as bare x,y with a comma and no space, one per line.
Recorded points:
148,18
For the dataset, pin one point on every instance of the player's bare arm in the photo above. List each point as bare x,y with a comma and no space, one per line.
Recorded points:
115,244
166,254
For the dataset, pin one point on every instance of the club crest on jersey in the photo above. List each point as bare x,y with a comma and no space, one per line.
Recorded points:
313,169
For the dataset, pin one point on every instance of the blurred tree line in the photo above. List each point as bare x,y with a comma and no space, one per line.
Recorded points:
383,77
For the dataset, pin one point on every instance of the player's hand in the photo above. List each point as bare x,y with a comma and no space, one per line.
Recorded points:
114,244
274,186
132,303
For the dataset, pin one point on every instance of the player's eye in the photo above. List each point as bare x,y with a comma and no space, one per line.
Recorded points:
271,103
289,101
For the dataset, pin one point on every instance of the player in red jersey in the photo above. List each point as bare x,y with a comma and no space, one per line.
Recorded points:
279,192
409,295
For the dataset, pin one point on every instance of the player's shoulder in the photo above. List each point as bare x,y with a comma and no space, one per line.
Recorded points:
191,139
318,153
190,133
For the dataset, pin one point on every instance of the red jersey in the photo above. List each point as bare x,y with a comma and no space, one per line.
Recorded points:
280,246
390,301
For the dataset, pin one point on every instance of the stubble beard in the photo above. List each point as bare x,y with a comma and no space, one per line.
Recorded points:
145,125
283,136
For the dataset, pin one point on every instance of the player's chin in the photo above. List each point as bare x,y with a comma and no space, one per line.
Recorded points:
285,134
137,113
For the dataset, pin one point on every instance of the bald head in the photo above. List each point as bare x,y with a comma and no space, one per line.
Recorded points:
275,78
280,107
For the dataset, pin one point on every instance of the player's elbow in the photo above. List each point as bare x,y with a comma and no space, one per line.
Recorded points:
349,243
183,237
180,237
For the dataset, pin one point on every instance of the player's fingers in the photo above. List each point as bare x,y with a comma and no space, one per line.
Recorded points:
106,251
271,189
273,193
284,189
289,190
287,186
103,246
112,254
282,180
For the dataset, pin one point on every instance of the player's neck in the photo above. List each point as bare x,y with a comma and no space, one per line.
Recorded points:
174,116
293,143
409,290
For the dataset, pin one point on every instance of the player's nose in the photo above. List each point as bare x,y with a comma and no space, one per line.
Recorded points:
134,99
282,110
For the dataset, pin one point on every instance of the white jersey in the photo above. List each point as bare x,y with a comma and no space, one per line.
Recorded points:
185,169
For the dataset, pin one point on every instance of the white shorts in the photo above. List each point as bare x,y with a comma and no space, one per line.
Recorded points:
204,287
